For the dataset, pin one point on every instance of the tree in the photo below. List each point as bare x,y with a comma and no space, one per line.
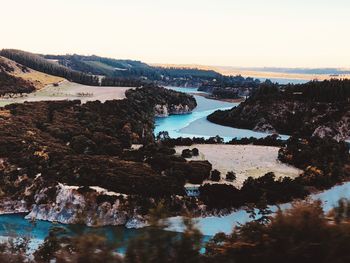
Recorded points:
299,234
231,176
162,136
215,176
195,152
157,245
46,252
186,153
264,211
88,249
189,245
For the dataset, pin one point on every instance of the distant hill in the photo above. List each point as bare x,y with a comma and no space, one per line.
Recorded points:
285,75
115,71
95,70
312,71
96,65
129,68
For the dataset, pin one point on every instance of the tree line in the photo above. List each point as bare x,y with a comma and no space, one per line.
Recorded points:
329,91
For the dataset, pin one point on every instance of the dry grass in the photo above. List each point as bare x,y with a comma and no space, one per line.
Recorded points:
244,160
70,91
38,79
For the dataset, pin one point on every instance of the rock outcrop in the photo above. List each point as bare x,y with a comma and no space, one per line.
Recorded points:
75,205
166,110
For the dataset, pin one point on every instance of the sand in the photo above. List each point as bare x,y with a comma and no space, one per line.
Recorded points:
203,127
70,91
244,160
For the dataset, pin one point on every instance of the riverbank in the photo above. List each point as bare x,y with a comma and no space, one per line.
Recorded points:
196,123
11,224
212,225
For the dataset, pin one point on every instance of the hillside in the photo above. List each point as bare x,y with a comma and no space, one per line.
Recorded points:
41,64
127,68
38,79
12,85
101,66
18,79
315,108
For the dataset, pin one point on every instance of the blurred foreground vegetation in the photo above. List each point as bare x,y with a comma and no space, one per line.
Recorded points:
301,234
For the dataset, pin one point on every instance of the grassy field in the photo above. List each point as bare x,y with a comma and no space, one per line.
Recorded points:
40,80
71,91
244,160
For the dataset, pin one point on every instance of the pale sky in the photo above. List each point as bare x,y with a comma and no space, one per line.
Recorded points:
281,33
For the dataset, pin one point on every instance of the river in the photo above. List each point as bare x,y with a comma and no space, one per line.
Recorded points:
196,124
189,125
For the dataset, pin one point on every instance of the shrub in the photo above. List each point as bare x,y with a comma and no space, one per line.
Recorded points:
187,153
231,176
215,176
195,152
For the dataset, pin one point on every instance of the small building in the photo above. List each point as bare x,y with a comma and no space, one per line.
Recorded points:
192,190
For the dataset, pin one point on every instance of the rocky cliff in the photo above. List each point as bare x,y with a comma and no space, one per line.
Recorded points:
93,206
165,110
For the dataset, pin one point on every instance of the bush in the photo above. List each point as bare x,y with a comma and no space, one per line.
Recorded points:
195,152
231,176
82,144
187,153
215,176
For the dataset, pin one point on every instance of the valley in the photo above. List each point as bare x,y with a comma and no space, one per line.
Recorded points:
66,153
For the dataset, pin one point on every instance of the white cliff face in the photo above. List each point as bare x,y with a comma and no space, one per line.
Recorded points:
13,206
323,132
264,126
338,131
72,207
94,207
165,110
161,110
